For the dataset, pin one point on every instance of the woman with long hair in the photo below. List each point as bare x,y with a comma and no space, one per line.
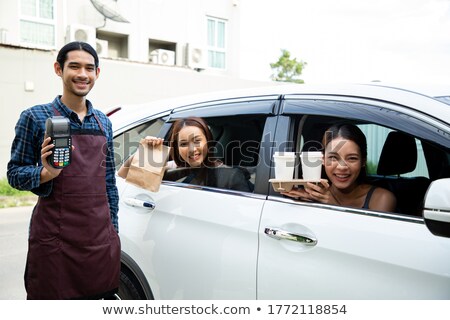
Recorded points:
345,157
191,143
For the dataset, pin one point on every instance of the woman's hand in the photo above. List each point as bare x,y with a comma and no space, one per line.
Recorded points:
319,192
312,192
297,193
153,141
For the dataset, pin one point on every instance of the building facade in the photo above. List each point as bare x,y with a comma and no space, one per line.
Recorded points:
149,49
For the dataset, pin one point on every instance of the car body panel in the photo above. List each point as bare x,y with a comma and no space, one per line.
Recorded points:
356,254
192,246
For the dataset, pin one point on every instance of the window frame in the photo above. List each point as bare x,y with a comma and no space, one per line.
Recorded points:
119,150
213,48
267,106
393,115
390,115
38,20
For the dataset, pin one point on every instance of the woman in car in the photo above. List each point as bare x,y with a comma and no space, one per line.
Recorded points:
345,149
191,144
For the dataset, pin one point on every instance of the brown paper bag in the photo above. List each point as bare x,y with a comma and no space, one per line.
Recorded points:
147,166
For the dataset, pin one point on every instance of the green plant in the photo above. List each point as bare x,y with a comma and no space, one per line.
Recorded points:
10,197
7,190
287,69
371,168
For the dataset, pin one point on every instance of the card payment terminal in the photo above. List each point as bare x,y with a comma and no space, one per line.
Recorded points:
58,128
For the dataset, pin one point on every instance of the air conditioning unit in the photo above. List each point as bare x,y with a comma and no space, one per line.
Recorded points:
195,56
79,32
102,48
162,56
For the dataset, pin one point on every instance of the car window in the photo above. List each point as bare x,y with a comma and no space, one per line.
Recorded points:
236,145
223,177
445,99
376,136
127,142
402,158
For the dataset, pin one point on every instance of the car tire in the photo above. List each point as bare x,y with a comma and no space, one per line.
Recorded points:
129,287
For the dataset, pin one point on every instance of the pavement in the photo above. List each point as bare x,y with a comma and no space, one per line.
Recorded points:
14,224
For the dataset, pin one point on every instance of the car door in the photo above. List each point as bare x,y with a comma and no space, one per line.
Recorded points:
320,251
201,242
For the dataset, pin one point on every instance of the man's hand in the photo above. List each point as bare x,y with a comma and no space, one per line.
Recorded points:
48,172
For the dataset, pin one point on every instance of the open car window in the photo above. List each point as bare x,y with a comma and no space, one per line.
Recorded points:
405,153
126,143
236,145
397,161
231,178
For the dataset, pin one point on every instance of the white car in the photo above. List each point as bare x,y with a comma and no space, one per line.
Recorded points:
204,242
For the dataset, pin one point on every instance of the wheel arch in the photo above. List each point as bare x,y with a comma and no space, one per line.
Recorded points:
132,269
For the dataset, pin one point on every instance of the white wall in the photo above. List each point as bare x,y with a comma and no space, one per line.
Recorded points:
120,82
9,22
175,21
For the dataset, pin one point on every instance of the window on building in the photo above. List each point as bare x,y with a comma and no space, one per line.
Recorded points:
216,43
37,22
112,45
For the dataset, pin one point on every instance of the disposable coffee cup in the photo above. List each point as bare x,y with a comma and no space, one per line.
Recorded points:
284,165
311,165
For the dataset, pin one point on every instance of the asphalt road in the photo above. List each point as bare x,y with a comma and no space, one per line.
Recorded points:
13,251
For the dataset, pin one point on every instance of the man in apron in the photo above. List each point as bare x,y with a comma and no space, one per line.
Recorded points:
73,247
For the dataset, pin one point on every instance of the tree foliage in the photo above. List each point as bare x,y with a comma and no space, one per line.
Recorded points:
287,69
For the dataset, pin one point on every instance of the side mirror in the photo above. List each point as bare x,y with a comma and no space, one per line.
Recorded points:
436,210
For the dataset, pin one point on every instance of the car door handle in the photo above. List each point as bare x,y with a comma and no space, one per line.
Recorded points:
139,203
285,235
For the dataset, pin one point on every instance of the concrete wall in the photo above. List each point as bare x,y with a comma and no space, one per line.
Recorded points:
28,79
180,22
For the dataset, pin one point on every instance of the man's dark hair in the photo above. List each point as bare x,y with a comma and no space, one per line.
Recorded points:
76,45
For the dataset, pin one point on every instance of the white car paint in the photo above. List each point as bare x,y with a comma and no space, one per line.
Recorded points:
201,244
356,255
193,245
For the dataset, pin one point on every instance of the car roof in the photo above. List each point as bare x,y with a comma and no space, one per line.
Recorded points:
377,91
429,89
439,92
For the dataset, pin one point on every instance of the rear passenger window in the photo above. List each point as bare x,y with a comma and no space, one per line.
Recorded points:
376,136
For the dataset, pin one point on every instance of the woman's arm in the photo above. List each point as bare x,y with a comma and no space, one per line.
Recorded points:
383,200
151,141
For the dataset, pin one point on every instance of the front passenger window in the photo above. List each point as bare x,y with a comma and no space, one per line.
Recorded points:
376,136
235,145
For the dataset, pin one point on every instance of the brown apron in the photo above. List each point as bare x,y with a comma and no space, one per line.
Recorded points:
74,250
